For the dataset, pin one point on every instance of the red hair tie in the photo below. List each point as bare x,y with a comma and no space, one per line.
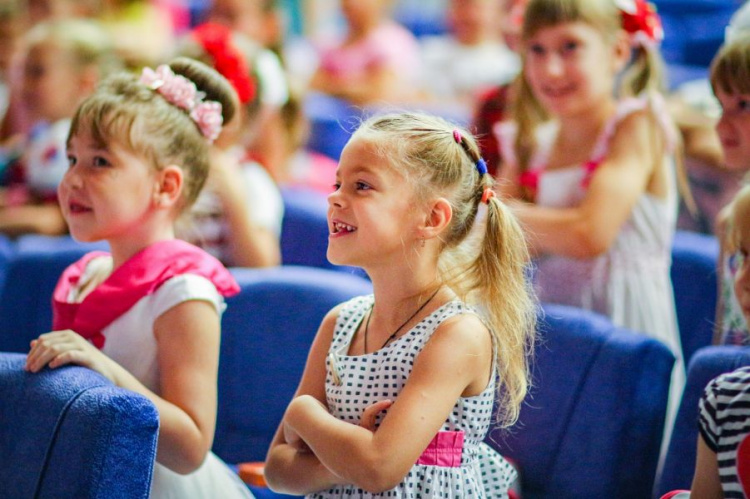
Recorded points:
487,194
216,40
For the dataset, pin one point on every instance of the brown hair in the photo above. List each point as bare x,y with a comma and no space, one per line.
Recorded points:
730,69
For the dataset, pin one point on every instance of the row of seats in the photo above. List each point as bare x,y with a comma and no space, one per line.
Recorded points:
592,425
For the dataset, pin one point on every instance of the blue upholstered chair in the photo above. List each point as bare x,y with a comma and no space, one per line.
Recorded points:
706,364
7,248
26,297
267,331
694,263
332,122
304,230
693,32
592,424
37,243
69,432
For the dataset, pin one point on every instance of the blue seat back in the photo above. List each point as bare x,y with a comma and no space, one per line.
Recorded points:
706,364
267,331
694,264
593,421
26,297
331,121
304,230
69,432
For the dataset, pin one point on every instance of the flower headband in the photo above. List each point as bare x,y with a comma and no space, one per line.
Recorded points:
639,18
216,40
182,93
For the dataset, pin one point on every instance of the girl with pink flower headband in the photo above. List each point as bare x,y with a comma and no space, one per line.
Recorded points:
147,314
589,155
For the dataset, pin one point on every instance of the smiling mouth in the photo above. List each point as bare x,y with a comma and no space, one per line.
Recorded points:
78,208
558,91
339,228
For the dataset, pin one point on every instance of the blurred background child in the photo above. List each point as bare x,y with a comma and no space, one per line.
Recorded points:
730,81
377,61
238,215
472,57
63,62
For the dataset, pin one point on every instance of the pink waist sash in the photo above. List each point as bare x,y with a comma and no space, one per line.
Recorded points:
444,450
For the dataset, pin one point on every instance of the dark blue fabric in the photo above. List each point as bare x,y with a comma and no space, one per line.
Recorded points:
69,432
707,363
694,29
694,267
267,331
304,230
332,122
7,249
592,424
25,299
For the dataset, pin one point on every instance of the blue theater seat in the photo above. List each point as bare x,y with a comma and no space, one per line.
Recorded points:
304,230
69,432
592,424
267,331
26,297
332,122
706,364
694,264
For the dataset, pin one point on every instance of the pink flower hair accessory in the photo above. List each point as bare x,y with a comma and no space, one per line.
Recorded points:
181,92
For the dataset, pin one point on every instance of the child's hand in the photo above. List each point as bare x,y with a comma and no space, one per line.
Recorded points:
370,414
293,439
59,348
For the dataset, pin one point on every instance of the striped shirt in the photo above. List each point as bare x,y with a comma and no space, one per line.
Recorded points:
724,422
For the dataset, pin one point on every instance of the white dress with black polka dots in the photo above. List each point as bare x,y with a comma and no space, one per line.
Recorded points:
353,383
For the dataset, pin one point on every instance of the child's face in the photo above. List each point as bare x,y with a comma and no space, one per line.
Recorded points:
244,16
371,216
108,192
570,67
360,14
473,21
51,89
733,129
741,224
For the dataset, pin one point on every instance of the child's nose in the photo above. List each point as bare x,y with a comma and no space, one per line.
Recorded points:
335,199
554,65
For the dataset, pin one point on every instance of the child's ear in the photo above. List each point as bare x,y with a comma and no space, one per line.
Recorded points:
169,186
622,51
437,219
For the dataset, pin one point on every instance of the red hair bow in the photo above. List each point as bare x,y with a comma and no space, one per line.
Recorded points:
216,40
639,18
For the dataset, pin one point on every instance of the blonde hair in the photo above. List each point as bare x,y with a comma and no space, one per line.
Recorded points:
130,113
730,69
742,196
643,74
487,266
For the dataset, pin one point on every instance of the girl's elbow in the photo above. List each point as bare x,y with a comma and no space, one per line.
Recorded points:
189,463
379,478
590,242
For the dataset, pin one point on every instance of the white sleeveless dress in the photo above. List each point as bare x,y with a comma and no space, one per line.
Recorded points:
130,342
631,282
354,382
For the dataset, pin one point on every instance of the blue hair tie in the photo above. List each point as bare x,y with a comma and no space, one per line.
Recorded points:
481,166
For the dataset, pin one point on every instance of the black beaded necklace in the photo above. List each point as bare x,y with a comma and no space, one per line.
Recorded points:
392,336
